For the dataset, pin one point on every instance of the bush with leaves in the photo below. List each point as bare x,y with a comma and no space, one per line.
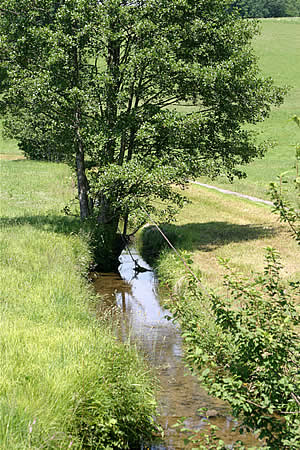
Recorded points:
246,348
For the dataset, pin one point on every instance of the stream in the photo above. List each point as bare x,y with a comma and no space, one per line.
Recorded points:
143,320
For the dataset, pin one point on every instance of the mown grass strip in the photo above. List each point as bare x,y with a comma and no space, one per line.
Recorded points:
215,225
64,379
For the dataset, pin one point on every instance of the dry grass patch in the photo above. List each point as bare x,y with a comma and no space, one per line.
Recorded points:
9,157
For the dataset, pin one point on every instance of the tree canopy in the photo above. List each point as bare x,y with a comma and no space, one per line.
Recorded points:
268,8
138,96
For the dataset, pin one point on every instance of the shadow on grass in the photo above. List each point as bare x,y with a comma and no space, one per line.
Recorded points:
205,237
51,223
212,235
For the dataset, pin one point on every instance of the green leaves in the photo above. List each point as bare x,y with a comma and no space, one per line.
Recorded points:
246,349
265,8
148,94
136,186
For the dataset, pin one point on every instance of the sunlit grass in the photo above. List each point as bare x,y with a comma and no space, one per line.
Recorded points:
236,229
58,363
8,146
216,226
23,186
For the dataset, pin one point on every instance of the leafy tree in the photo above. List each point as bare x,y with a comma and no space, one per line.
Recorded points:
293,8
267,8
108,85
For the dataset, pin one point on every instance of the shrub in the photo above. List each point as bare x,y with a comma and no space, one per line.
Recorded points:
245,347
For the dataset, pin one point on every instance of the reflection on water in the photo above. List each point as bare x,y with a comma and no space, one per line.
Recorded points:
144,320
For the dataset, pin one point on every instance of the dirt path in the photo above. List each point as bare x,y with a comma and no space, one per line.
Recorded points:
237,194
10,157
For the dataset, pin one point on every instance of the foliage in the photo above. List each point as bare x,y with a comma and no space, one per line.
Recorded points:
107,85
247,344
268,8
287,211
205,440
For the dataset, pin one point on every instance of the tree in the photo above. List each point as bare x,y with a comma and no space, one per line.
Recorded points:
267,8
109,84
293,8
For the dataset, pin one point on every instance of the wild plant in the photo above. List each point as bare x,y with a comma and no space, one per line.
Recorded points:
245,347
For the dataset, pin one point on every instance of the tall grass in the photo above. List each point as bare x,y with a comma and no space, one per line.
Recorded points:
64,378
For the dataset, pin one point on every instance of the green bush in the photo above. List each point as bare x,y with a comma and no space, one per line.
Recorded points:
105,244
40,151
246,349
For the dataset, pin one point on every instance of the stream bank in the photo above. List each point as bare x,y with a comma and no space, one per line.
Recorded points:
64,378
143,321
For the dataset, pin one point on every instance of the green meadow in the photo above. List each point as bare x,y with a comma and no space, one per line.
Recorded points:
278,49
65,381
214,225
8,146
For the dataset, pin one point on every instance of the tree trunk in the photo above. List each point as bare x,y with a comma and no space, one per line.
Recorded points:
109,241
82,183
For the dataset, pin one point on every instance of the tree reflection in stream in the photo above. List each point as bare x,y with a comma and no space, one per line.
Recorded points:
143,320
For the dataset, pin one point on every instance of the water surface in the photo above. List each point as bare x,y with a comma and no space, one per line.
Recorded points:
144,320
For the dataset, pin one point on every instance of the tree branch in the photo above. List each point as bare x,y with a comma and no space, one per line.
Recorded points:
3,11
295,398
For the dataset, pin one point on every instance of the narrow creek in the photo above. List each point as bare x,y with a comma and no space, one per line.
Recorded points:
143,320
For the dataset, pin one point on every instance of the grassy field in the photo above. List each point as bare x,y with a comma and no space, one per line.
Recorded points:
8,146
278,49
64,379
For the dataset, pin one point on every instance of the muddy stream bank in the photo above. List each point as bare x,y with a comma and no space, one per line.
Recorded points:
143,320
